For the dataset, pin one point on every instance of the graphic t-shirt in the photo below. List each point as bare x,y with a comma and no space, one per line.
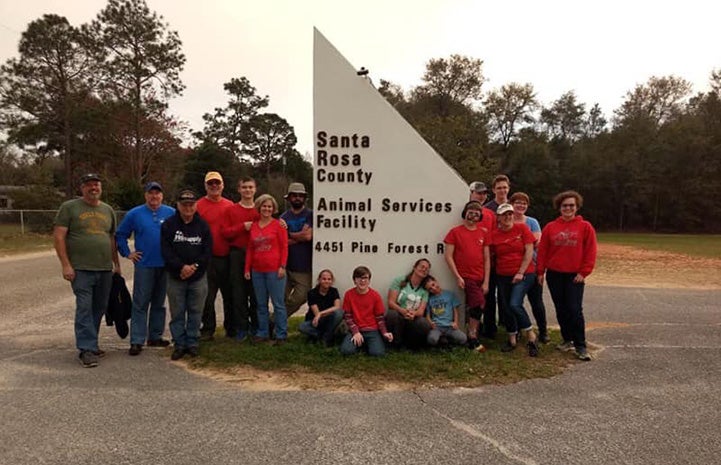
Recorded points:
440,308
409,298
90,230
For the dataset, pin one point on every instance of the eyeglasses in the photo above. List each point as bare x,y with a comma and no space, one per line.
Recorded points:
213,182
568,205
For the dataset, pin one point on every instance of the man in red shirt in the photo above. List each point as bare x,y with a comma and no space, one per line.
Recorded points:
239,218
212,208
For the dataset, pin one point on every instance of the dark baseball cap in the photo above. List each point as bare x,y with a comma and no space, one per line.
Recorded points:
187,196
89,177
153,185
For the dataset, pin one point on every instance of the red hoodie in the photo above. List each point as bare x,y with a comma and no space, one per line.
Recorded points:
567,247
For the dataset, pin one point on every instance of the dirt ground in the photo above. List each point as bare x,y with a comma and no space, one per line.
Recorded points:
619,265
616,266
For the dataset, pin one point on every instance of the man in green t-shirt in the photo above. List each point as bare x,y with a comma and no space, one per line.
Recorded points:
84,242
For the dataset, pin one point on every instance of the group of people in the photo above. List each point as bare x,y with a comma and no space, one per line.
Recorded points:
210,244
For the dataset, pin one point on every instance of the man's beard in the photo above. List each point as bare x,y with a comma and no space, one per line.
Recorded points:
297,204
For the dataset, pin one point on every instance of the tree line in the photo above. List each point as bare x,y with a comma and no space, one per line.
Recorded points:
656,166
95,97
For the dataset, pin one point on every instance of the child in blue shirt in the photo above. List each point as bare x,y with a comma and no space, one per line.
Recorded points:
442,312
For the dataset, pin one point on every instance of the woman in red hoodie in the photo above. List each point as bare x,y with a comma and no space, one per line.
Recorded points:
567,255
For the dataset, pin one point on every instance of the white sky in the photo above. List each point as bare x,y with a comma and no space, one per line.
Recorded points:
599,49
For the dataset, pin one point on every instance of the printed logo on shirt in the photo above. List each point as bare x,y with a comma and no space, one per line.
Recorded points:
565,239
262,244
193,240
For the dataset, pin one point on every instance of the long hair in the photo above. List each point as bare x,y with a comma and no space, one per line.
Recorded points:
407,279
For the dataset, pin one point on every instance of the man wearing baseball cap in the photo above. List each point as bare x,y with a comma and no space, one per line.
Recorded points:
186,245
149,280
213,209
83,238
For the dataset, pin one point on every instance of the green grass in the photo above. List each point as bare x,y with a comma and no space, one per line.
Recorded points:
13,242
708,246
432,367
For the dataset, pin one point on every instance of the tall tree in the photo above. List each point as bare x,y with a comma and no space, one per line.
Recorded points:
271,138
451,81
564,119
144,62
509,109
595,122
43,91
229,127
659,100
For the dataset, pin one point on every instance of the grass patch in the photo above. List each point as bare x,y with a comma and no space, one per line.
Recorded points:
697,245
23,243
431,368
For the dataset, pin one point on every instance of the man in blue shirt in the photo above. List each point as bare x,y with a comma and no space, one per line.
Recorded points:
149,280
299,219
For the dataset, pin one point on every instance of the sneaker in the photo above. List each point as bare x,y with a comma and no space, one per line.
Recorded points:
241,336
100,353
192,351
259,340
88,359
158,343
508,347
472,343
135,349
544,338
177,353
565,346
583,354
479,348
532,349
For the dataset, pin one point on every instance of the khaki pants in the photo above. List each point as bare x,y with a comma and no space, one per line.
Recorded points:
296,290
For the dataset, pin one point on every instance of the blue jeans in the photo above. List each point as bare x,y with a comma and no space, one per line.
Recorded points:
513,295
326,326
372,342
568,299
149,286
92,293
186,301
268,285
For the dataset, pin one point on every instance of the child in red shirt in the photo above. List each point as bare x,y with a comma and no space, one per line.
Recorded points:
468,257
364,314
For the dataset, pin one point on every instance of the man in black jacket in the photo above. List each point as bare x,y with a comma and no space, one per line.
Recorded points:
186,247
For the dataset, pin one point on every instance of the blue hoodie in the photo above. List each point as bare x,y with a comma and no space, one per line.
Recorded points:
144,224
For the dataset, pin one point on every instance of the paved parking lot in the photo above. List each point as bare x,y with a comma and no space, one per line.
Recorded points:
651,396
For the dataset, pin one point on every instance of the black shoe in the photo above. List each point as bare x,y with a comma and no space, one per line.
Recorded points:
532,349
135,349
544,338
472,343
508,347
177,353
100,353
158,343
88,359
192,351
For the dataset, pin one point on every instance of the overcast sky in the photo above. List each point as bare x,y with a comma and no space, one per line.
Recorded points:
599,49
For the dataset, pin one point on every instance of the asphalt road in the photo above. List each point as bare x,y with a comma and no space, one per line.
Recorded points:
652,396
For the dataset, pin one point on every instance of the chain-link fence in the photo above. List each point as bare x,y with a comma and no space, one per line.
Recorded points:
19,222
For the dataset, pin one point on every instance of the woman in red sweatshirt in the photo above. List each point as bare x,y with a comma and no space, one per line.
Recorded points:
567,255
265,262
